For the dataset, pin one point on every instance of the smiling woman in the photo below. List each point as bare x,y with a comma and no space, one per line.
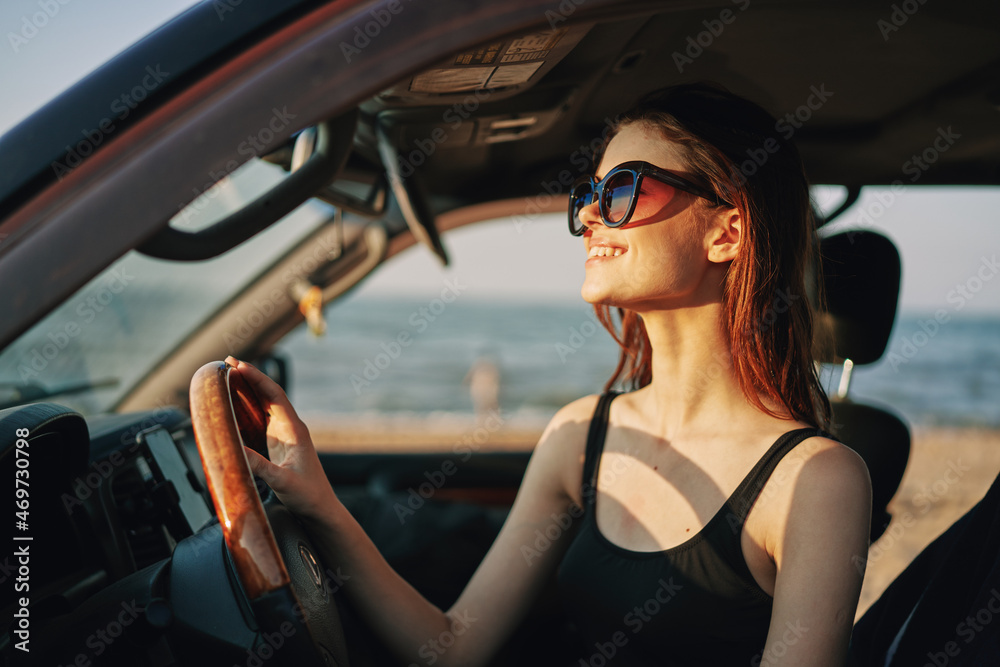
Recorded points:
689,275
777,245
692,287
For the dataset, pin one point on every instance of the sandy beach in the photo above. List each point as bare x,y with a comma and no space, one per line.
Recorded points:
948,472
433,434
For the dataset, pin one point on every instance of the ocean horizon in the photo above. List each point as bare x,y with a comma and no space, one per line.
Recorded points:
399,358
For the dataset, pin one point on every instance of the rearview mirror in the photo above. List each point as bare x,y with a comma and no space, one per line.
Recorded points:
332,144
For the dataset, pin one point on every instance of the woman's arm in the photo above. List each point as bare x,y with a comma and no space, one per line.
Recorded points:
502,588
820,549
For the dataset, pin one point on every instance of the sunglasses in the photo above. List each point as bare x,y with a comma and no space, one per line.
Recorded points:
618,193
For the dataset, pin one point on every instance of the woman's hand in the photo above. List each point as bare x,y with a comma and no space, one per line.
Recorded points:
294,471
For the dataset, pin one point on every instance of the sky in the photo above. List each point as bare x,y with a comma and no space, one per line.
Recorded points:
948,237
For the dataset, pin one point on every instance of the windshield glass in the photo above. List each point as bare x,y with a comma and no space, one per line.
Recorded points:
93,348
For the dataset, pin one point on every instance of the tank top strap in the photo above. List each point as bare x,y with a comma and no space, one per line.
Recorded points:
595,445
749,489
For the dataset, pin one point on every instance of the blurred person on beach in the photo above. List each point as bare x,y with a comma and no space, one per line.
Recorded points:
709,490
483,379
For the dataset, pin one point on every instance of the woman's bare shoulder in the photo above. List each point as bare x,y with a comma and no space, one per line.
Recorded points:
821,478
568,427
834,470
820,488
560,450
825,462
576,413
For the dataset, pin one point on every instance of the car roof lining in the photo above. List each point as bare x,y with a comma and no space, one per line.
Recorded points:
864,133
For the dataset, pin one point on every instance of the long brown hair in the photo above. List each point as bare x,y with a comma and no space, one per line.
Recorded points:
736,149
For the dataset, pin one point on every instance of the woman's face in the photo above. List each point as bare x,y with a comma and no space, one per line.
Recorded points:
660,259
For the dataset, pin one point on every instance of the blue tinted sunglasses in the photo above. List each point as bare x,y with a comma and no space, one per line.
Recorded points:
618,192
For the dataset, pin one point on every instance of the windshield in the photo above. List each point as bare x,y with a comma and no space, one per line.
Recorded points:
101,341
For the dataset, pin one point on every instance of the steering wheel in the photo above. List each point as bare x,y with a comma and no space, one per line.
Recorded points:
285,582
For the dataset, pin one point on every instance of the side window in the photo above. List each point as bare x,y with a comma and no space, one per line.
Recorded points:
941,367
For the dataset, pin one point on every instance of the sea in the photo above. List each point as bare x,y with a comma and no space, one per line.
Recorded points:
398,359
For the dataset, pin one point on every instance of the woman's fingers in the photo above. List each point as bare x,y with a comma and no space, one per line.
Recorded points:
294,471
305,493
266,388
276,401
264,469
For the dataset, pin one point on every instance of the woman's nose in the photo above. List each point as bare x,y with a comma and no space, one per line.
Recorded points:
590,215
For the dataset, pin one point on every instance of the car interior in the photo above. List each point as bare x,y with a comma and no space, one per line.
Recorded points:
394,123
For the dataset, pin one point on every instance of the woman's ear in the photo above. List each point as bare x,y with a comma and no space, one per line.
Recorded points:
725,235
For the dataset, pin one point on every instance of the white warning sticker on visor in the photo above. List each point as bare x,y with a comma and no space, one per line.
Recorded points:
451,80
512,75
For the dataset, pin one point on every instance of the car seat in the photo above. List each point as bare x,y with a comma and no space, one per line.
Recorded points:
861,275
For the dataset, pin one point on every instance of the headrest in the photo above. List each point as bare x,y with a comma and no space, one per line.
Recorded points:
63,440
861,271
883,440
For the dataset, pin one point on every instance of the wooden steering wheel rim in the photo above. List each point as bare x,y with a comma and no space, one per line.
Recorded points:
248,534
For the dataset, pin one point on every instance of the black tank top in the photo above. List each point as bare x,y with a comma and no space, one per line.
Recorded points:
694,604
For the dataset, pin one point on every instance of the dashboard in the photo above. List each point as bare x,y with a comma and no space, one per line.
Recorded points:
103,504
146,481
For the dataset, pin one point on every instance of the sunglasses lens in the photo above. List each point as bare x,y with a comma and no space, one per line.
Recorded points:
617,197
582,195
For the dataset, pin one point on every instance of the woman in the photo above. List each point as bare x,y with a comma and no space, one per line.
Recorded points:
697,230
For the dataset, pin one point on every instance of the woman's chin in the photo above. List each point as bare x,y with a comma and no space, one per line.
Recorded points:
596,295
